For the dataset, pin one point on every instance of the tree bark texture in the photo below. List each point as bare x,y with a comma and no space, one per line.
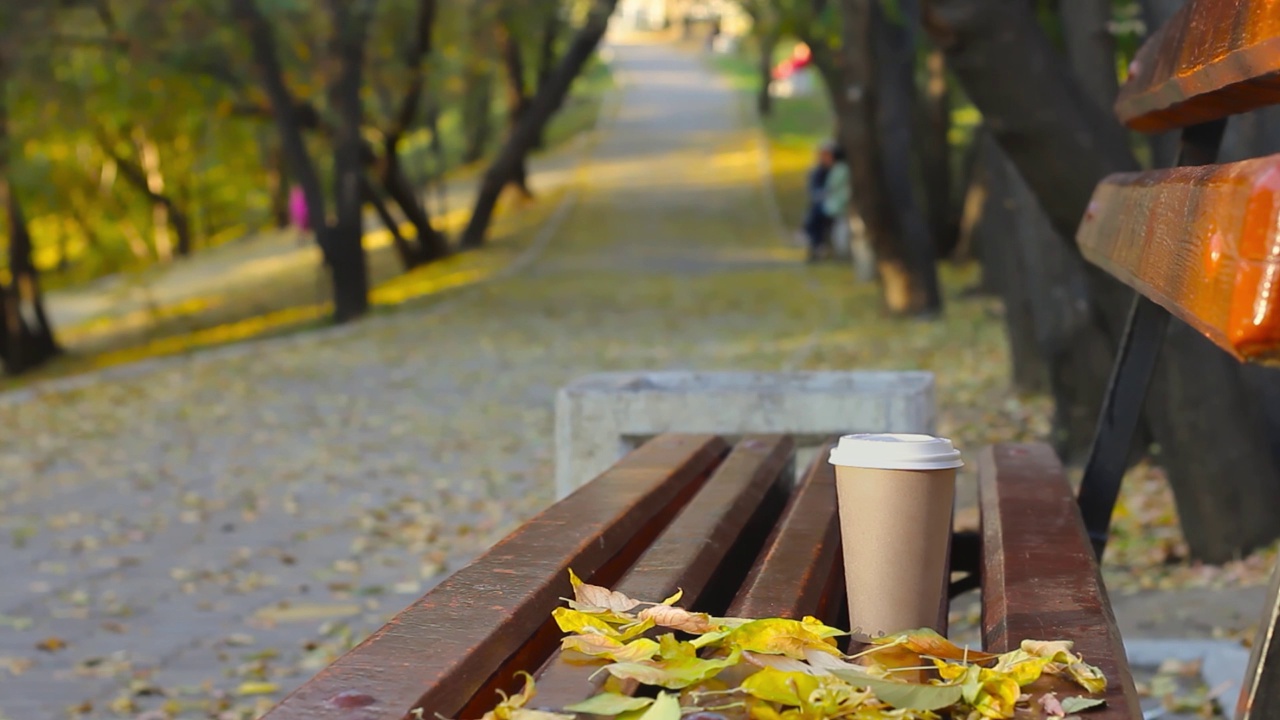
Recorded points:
1155,13
911,286
517,100
346,47
1091,49
477,113
852,79
541,108
339,241
768,37
1212,445
27,340
994,231
144,182
430,244
933,149
552,26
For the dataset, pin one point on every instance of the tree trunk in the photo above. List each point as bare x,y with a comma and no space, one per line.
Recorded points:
544,104
517,101
934,152
432,244
883,197
27,335
288,115
1155,13
994,231
350,274
969,211
145,177
1091,49
911,287
551,27
339,241
405,250
477,114
439,164
1063,144
846,75
768,38
278,188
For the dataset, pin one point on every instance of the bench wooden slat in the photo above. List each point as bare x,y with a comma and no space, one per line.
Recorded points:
710,534
799,572
438,652
1040,580
1260,695
1213,59
1200,241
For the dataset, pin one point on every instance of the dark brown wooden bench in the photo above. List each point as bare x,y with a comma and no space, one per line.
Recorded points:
730,526
1199,242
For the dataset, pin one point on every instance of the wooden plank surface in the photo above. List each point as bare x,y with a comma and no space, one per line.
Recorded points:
1214,58
1260,696
437,653
799,572
1040,580
1200,241
710,534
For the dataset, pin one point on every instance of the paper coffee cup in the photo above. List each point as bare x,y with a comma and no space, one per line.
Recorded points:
896,493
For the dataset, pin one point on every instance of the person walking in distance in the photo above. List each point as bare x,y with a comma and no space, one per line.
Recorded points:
836,193
817,224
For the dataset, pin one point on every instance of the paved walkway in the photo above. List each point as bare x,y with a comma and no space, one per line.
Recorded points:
223,526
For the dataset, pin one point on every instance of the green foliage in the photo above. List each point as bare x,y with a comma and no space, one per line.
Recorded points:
167,87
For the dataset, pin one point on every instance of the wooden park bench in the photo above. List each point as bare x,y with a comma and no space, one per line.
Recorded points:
727,523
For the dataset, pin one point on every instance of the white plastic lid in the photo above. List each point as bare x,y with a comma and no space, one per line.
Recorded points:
895,451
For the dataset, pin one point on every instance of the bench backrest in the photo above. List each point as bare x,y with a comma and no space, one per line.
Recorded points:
1213,59
1201,241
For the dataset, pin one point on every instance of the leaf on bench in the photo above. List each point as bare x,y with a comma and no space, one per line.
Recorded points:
679,619
610,704
578,622
1059,653
513,707
781,636
673,673
929,643
607,647
597,598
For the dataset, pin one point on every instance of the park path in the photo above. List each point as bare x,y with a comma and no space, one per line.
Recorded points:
196,539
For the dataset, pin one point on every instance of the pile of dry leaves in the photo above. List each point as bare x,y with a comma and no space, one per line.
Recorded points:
783,669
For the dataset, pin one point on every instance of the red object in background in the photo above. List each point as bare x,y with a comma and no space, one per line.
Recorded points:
800,59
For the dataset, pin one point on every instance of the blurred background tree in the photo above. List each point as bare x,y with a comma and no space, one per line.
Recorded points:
138,132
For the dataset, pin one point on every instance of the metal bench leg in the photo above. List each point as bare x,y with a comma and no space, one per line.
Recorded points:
1260,696
1130,376
1121,410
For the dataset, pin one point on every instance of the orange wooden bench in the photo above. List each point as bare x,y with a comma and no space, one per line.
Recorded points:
1200,242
